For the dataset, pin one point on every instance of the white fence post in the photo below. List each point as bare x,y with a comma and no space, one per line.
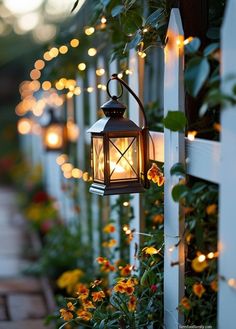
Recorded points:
79,108
134,115
227,223
94,198
174,152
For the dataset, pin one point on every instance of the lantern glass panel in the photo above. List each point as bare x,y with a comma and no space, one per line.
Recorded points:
98,159
123,158
53,137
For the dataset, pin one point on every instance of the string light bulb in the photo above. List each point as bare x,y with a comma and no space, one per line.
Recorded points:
103,20
81,66
74,43
89,30
201,258
92,52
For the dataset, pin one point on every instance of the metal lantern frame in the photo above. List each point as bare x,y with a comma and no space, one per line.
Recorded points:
104,134
54,122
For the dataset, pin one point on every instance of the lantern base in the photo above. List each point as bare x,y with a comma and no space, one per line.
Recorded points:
117,188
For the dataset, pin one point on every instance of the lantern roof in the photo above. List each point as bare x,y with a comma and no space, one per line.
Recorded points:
109,124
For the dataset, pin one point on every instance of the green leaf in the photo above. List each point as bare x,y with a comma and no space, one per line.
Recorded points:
117,10
105,2
175,120
193,46
211,48
135,41
196,74
152,19
177,169
179,192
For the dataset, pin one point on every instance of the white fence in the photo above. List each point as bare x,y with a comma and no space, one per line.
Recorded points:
212,161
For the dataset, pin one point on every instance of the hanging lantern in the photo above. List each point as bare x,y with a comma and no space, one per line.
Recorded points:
119,149
54,137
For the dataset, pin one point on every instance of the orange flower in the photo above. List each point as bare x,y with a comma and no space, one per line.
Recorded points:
109,244
211,209
129,290
109,228
101,260
66,314
158,219
155,174
198,289
87,304
132,304
126,270
214,285
82,291
120,287
185,303
107,267
198,266
98,296
84,315
70,306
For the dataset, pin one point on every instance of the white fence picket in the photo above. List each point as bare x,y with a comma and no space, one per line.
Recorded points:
174,152
93,107
80,120
227,223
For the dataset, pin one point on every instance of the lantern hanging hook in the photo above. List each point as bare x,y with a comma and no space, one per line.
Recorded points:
123,83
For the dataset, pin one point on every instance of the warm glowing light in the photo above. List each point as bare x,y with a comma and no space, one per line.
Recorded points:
85,176
70,94
61,159
67,174
125,228
125,203
188,40
171,249
52,138
47,56
92,52
103,20
46,85
77,91
59,85
232,283
210,255
142,54
201,258
23,6
53,52
100,72
90,89
35,85
35,74
89,30
127,72
82,66
72,131
44,32
128,232
178,42
145,30
74,43
24,126
77,173
28,21
191,135
67,167
39,64
120,75
63,49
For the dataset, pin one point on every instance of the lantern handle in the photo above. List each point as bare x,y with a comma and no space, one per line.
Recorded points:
122,82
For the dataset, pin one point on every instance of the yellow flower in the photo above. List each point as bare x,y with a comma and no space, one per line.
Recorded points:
132,304
129,290
70,306
84,315
198,289
150,250
185,303
120,287
69,279
198,266
66,315
214,285
211,209
98,296
109,228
